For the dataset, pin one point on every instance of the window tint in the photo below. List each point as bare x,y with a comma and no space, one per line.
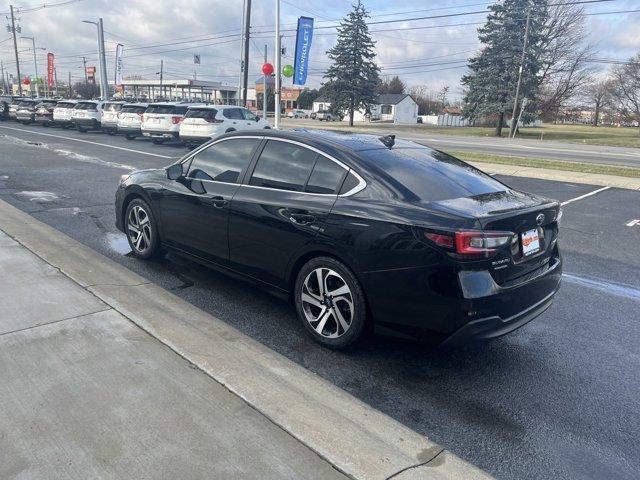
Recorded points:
283,165
86,106
223,161
248,115
207,114
112,107
180,110
65,105
133,109
422,174
233,113
161,109
326,176
349,184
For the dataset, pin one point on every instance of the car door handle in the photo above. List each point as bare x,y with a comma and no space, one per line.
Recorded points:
218,202
301,218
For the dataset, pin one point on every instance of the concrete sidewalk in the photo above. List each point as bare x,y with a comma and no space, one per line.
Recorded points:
106,375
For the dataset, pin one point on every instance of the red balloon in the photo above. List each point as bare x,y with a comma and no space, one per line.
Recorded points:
267,69
26,80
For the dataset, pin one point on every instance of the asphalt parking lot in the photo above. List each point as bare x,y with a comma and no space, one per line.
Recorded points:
556,399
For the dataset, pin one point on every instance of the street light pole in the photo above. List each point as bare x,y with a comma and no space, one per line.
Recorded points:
104,87
35,62
245,53
278,53
514,121
264,89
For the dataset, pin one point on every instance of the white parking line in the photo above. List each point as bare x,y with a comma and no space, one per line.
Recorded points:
633,223
614,288
585,195
87,141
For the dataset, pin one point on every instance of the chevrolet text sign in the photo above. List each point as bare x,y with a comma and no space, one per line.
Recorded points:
303,47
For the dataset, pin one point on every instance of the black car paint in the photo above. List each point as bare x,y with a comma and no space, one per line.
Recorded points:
413,288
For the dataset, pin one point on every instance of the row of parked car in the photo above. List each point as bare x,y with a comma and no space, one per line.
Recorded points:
189,123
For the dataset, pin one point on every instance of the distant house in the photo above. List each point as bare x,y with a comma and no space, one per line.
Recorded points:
387,107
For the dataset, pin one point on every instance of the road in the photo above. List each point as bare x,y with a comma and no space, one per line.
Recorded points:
556,399
564,151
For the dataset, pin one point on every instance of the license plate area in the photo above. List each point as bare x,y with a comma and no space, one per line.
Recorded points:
530,242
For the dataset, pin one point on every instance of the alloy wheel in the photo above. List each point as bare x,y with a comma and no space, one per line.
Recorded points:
327,303
139,229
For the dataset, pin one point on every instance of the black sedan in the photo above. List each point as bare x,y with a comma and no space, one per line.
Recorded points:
357,231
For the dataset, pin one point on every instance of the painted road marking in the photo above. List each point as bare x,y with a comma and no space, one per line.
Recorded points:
632,223
87,141
618,289
585,195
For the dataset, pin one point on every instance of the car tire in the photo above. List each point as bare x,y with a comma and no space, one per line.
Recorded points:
334,321
158,141
82,130
111,132
267,128
141,229
129,136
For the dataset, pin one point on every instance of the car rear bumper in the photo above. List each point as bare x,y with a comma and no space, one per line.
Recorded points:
159,134
110,125
43,118
125,129
86,122
194,138
24,117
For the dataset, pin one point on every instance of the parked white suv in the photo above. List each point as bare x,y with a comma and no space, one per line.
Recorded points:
110,117
204,122
62,113
87,115
130,119
298,114
161,121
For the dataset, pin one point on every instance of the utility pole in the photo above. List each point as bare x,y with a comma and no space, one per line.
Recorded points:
161,71
15,48
245,53
104,86
240,76
69,95
86,78
264,88
278,55
55,80
514,120
4,85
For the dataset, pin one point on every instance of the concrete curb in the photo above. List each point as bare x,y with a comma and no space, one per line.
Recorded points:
603,180
358,440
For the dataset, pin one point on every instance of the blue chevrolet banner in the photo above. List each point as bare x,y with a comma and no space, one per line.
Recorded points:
303,47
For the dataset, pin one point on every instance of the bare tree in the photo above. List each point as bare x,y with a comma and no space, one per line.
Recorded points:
564,61
626,87
598,96
442,95
428,103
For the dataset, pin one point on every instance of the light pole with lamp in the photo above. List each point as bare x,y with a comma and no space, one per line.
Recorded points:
104,88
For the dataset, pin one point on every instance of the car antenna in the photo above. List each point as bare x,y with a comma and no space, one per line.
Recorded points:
388,140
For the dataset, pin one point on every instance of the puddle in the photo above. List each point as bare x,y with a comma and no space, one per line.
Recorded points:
38,197
118,243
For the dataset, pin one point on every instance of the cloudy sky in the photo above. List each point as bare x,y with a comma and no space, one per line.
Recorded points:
421,51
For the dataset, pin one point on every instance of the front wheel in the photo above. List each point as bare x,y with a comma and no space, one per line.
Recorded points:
129,136
82,130
141,229
158,141
330,303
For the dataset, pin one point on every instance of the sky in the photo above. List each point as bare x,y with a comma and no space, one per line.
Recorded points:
427,52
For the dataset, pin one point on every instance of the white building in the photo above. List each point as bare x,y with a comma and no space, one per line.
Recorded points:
387,107
178,89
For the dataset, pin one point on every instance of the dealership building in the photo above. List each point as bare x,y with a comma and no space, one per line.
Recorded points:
177,90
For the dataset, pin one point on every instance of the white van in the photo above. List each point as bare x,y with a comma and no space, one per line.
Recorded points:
130,119
87,115
161,121
201,123
62,113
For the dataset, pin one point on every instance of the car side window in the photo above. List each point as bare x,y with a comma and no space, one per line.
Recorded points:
325,177
232,113
223,161
284,166
349,184
248,115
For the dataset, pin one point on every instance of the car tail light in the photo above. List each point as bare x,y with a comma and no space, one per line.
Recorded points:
471,244
176,120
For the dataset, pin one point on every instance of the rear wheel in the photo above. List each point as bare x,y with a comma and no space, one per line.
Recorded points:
111,132
330,303
158,141
82,129
130,136
141,229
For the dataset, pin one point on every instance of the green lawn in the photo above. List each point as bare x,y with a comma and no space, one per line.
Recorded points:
548,164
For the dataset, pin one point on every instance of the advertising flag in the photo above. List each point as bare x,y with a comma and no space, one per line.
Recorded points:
304,36
51,73
119,66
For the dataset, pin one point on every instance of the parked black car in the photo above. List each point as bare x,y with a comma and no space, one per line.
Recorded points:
44,112
358,231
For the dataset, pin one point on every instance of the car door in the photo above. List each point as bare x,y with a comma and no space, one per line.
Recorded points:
280,208
235,119
250,120
194,209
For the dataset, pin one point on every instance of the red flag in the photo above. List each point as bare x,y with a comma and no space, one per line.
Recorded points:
50,70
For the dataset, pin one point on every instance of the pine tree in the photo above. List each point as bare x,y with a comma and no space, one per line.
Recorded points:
491,84
354,75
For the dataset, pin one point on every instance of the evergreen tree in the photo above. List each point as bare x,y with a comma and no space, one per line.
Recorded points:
395,85
491,84
354,75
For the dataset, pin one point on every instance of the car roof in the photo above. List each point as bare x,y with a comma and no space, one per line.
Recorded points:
214,107
136,104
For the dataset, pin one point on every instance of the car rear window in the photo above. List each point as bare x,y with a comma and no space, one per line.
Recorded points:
422,174
161,109
133,109
325,177
86,106
204,113
112,107
65,105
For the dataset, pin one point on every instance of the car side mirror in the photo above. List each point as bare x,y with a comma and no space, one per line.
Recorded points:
174,172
